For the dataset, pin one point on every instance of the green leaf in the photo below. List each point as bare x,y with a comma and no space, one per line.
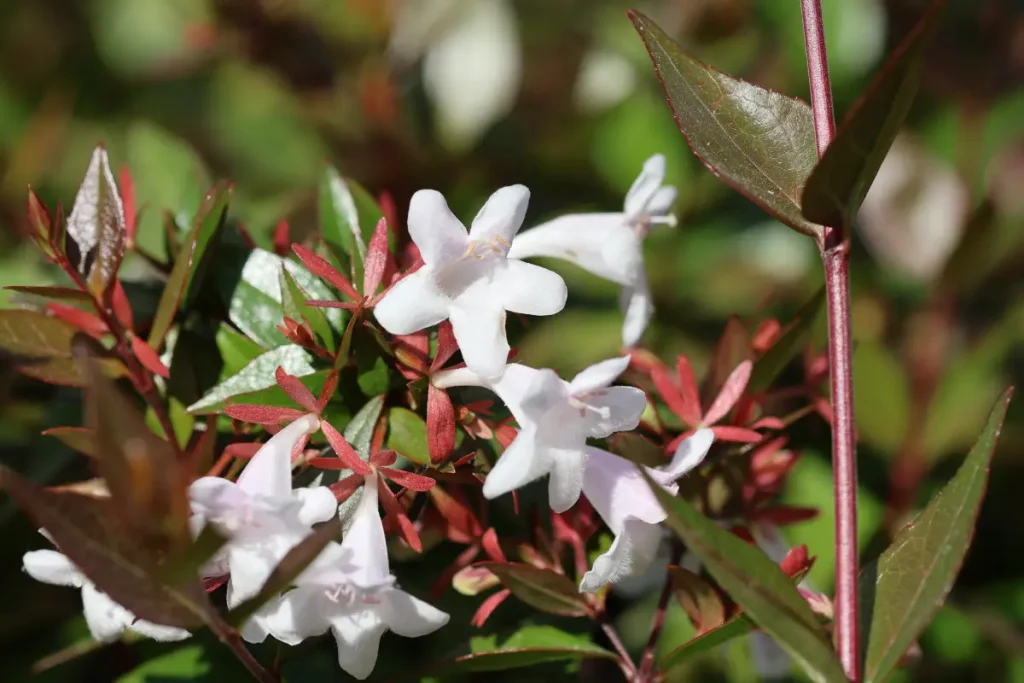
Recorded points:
81,439
373,376
348,215
258,374
290,566
236,350
977,252
97,225
733,628
528,646
756,140
293,300
184,664
359,431
902,590
774,361
407,435
757,584
881,397
838,184
539,588
41,347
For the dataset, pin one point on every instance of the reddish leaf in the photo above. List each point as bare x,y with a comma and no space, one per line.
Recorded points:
327,391
87,322
66,293
262,415
296,390
673,398
38,217
394,510
699,599
243,451
766,334
344,450
489,542
82,439
796,561
149,358
121,306
487,607
731,392
383,458
128,200
688,389
377,257
413,354
446,345
471,581
736,434
321,268
281,238
440,424
541,589
782,515
463,526
343,489
413,482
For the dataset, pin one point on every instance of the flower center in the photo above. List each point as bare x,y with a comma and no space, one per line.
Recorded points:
580,404
643,223
349,595
477,263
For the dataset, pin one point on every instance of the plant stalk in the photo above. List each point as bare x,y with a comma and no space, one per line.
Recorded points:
835,255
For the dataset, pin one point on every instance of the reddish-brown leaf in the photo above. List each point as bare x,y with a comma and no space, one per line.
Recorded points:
344,450
84,321
487,607
446,346
440,424
262,415
321,268
149,358
296,390
82,439
377,257
731,392
124,176
394,510
411,481
282,237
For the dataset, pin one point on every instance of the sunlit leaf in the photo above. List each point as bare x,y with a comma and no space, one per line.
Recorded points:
39,345
294,298
359,431
739,625
529,646
258,374
407,435
902,590
756,140
348,215
541,589
838,184
97,224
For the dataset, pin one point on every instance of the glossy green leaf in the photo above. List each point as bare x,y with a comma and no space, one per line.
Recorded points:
769,366
881,397
373,375
407,435
541,589
756,140
733,628
258,374
529,646
757,584
293,300
348,215
359,431
838,184
208,223
186,663
902,590
235,350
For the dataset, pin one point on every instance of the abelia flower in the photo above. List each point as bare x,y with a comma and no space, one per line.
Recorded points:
468,279
350,590
556,418
610,245
616,489
261,514
106,619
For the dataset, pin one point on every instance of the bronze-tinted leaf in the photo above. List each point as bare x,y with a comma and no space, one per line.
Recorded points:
541,589
97,224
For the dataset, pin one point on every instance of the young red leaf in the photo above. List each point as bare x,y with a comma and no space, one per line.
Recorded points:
440,424
487,607
82,439
87,322
262,415
344,450
243,451
330,384
394,510
343,489
121,306
281,238
149,358
688,389
672,397
377,257
411,481
124,176
296,390
446,345
489,542
38,218
321,268
463,526
731,392
736,434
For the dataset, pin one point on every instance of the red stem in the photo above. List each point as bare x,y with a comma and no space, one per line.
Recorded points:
836,260
625,662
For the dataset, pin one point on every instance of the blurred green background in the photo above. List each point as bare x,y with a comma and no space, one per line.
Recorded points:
467,95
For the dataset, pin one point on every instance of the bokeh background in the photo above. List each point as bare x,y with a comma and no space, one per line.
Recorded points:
467,95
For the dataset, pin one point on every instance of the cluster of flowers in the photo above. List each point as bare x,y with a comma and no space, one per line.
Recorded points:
472,280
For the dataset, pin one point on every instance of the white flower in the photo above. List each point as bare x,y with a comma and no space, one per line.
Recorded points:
610,245
618,492
263,517
106,619
468,279
556,418
350,590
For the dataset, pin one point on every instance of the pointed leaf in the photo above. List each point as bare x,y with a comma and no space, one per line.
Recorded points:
40,346
82,439
903,589
407,434
699,599
359,430
64,293
97,224
739,625
529,646
208,223
294,298
377,257
838,184
348,214
257,374
757,584
770,365
541,589
731,392
756,140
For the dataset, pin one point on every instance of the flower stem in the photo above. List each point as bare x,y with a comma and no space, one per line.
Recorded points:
835,256
625,661
647,660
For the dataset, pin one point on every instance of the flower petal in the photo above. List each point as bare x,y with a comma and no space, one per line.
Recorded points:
689,454
365,542
269,473
106,619
623,250
636,301
519,464
440,236
617,409
614,487
662,201
214,497
414,303
502,215
358,637
318,504
578,238
480,331
598,375
566,481
292,617
409,616
50,566
164,634
546,393
632,551
525,288
646,184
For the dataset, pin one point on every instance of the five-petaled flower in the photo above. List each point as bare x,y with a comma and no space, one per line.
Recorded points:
556,418
610,245
468,279
616,489
350,590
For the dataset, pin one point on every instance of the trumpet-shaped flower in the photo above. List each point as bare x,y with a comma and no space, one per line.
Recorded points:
610,245
260,513
627,505
556,419
350,590
106,619
468,279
